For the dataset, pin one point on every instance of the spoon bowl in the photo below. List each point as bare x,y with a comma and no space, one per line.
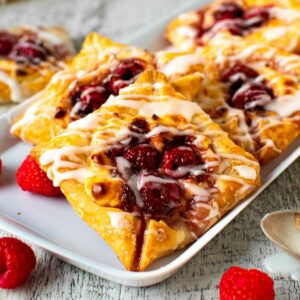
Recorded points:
283,228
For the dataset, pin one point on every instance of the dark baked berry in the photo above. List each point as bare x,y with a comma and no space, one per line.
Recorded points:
256,16
178,157
250,96
29,50
139,125
88,99
237,75
124,74
228,10
160,197
143,157
7,42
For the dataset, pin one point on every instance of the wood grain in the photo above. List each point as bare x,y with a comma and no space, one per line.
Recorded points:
241,243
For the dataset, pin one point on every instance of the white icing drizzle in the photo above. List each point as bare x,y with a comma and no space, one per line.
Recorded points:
172,106
286,14
246,172
15,88
285,105
201,194
123,166
181,64
67,158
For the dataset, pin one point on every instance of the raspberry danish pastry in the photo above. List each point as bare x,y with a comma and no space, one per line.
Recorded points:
100,69
251,90
149,170
29,56
273,22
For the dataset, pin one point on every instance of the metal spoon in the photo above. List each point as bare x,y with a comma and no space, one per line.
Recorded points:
283,228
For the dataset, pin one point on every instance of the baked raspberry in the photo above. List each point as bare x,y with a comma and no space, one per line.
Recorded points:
29,50
178,157
17,260
139,125
31,178
251,95
238,283
7,42
228,10
256,16
160,196
237,75
124,74
87,99
143,157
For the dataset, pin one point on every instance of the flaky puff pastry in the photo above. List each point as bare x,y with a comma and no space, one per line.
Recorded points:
264,124
99,70
29,56
149,170
276,23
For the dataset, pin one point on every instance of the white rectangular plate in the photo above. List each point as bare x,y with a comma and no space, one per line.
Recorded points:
54,226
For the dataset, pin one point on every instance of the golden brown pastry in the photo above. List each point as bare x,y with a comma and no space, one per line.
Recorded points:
29,56
149,170
251,90
273,22
100,69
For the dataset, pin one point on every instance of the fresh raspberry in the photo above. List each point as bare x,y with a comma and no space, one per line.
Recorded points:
228,10
256,16
178,157
124,74
250,96
143,157
160,196
31,178
17,260
238,283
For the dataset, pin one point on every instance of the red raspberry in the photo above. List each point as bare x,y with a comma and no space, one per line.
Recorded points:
160,196
30,177
238,283
228,10
143,157
251,95
256,16
124,74
178,157
17,260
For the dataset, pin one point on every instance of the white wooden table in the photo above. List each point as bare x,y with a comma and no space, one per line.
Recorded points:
241,243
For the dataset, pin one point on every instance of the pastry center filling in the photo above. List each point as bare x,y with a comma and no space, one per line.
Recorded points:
87,98
245,88
236,19
23,48
161,172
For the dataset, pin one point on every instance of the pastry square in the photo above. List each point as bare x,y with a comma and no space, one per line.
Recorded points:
276,23
29,56
251,90
149,170
100,69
